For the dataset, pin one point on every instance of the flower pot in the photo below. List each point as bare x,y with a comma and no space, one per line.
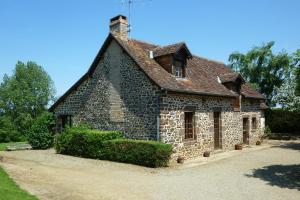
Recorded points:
206,154
180,160
238,147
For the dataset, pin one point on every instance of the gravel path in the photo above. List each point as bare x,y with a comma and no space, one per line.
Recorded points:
254,173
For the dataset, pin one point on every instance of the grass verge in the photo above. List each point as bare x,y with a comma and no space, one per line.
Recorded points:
10,190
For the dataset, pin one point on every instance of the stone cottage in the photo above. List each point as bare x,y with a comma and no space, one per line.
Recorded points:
163,93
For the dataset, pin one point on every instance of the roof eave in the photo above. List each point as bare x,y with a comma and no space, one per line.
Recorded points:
200,93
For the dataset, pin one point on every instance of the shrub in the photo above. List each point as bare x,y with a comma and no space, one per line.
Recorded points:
83,142
140,152
283,121
40,134
267,132
8,132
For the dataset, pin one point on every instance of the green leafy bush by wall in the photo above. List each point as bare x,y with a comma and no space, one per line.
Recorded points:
140,152
40,135
8,132
83,142
283,121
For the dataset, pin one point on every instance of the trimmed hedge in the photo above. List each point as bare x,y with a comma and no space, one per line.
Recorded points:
139,152
283,121
110,145
83,142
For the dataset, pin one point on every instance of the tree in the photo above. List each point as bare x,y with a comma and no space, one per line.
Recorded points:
296,62
286,95
25,94
262,69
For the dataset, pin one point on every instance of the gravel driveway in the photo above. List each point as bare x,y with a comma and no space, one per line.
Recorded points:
254,173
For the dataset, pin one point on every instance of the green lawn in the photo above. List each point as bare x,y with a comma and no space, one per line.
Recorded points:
10,191
3,145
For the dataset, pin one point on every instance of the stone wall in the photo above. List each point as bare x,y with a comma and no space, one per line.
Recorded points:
172,123
118,96
250,109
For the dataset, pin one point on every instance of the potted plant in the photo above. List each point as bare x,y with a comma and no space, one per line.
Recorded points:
258,142
238,146
206,154
180,159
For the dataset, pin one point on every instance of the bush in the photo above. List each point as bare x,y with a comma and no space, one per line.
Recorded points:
83,142
8,133
40,134
267,132
140,152
283,121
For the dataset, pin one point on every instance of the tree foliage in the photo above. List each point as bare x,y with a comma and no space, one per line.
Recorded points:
296,62
262,68
7,130
40,134
286,97
25,94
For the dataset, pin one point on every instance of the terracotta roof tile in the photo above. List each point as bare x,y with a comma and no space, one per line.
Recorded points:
202,74
198,80
230,77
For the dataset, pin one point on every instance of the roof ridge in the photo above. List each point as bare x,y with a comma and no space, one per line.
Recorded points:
208,59
231,73
177,43
146,42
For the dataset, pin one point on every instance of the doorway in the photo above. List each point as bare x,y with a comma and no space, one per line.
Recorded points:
217,131
246,130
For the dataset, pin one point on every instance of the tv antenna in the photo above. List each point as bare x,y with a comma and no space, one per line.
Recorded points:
129,4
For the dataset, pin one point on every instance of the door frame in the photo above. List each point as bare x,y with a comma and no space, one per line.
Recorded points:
246,129
217,141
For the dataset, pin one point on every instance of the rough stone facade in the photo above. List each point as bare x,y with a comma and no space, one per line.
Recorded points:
251,109
172,123
120,96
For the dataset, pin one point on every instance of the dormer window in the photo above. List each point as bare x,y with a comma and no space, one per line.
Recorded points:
173,58
179,69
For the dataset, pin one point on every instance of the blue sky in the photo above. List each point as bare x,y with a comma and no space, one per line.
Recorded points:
64,35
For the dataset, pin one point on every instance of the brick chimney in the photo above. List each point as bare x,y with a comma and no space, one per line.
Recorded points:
119,26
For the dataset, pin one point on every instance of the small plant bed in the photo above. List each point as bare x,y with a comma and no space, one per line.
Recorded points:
10,190
111,145
18,147
3,146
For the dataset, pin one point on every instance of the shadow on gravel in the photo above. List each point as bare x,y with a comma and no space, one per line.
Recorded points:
284,176
293,146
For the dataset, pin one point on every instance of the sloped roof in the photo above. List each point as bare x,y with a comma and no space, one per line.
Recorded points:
198,81
263,106
171,49
202,74
231,77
